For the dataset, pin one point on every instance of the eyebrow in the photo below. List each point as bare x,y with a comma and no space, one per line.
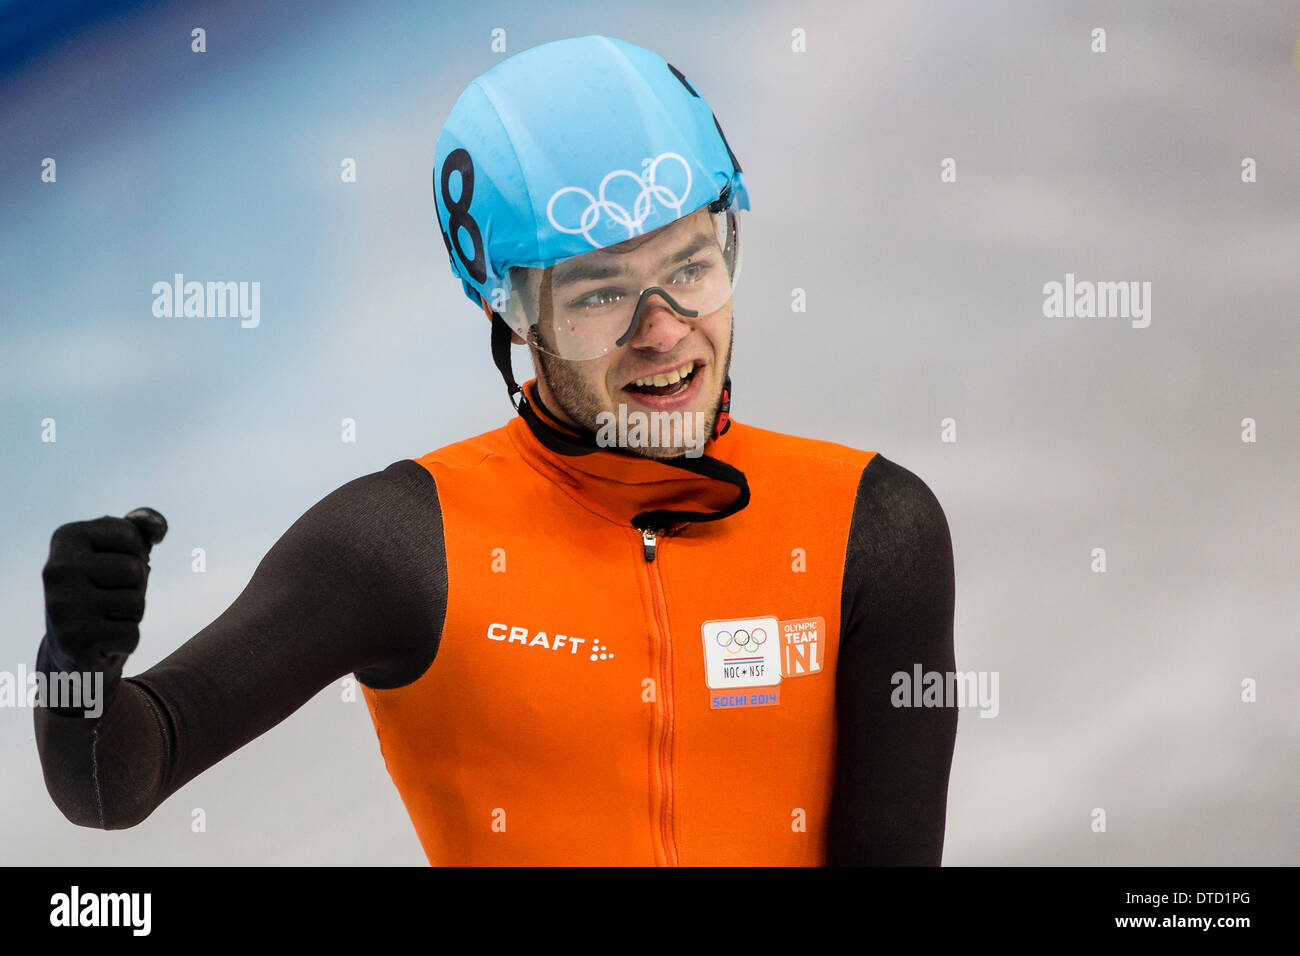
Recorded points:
603,270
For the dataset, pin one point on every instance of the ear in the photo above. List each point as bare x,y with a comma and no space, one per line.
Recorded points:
514,336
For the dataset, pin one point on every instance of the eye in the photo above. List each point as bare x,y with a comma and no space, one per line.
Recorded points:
691,272
597,299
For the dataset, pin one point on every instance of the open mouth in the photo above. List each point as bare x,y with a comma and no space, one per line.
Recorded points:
665,383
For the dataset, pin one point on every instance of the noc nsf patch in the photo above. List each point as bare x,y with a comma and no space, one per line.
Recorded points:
745,659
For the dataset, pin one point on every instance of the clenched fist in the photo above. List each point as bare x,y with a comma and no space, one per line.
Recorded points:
94,593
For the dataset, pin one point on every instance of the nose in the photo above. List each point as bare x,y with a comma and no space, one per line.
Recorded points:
656,324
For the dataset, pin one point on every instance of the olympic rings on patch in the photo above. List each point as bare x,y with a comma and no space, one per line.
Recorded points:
742,640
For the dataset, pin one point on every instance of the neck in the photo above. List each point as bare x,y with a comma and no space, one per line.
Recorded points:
646,492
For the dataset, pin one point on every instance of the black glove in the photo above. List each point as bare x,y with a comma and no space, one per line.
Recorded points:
94,596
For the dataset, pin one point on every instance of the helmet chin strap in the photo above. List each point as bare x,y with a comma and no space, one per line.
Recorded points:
585,443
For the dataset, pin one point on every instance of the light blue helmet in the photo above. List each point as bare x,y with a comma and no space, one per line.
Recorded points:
571,146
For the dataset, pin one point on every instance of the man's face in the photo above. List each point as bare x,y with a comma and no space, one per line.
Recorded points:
680,362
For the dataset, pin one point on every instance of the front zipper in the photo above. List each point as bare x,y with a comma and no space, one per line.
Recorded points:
664,696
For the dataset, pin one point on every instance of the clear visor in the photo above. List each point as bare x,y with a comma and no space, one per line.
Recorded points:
592,304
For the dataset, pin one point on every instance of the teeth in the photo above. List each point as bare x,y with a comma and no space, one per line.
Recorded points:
670,378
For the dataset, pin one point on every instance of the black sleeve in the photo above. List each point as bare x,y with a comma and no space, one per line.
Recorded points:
892,763
358,584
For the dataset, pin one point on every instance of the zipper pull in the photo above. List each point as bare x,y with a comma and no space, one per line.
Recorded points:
648,543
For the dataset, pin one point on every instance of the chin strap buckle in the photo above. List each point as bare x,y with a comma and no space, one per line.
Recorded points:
723,421
501,357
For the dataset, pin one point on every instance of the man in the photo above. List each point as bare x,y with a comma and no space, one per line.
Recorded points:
583,638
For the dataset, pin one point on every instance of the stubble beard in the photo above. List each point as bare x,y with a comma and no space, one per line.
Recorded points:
584,407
